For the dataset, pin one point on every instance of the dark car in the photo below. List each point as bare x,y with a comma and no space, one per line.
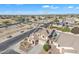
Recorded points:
9,36
22,31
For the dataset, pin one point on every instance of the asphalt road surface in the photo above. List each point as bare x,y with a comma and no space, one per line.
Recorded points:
6,44
10,52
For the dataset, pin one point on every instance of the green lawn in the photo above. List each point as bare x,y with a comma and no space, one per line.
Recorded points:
64,29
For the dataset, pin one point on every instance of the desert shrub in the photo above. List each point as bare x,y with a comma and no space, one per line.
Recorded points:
75,30
46,47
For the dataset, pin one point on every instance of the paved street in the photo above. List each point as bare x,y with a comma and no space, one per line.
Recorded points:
14,40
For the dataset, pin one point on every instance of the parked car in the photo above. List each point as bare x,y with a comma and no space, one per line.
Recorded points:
9,36
22,31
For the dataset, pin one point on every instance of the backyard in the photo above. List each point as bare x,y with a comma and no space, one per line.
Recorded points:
63,29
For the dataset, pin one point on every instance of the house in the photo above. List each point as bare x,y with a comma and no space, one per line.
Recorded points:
69,21
33,39
38,37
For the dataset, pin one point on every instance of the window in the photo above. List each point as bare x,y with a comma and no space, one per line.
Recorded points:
33,42
43,36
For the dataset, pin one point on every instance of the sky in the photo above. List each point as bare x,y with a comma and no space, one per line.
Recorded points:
39,9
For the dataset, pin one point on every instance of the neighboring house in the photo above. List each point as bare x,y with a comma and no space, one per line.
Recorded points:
69,21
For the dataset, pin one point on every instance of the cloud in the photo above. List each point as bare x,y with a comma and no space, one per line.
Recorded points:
45,6
50,7
70,7
54,7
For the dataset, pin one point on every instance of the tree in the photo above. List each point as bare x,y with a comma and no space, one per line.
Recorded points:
46,47
75,30
56,21
6,23
20,20
60,17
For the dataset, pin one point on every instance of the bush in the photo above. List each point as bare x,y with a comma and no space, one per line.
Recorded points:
75,30
46,47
